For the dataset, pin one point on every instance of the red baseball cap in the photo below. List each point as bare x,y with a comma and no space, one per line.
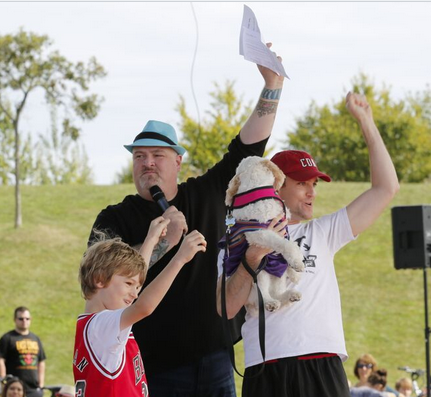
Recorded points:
298,165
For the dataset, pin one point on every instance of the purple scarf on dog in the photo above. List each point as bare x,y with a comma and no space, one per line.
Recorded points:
237,245
236,242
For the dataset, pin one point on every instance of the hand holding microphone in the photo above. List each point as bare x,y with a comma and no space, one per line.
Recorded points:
178,225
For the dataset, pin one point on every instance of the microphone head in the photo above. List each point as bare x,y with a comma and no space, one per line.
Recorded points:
156,193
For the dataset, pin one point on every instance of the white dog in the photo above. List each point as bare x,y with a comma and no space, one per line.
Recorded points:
252,196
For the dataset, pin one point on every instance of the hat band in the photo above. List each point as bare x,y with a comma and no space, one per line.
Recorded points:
154,135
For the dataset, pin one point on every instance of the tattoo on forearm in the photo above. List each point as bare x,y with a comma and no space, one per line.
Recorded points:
264,108
159,250
271,94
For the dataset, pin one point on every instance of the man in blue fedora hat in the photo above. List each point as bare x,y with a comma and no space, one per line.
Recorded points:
182,342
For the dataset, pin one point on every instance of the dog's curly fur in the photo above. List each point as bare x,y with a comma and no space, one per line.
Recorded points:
251,173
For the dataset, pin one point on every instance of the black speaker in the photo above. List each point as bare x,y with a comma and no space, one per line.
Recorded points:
411,232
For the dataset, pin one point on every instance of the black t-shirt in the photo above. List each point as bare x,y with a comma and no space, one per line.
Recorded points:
186,325
22,354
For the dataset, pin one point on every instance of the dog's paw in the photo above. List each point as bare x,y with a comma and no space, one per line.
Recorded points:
290,297
272,305
298,266
293,256
295,296
293,276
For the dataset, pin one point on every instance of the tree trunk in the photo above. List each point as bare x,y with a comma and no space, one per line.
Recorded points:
18,215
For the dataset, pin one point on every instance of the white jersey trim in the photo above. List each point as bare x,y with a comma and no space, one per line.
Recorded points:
107,349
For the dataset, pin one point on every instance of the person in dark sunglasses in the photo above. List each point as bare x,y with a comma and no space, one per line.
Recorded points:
364,365
22,354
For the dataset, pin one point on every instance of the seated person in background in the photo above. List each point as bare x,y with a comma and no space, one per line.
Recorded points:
404,386
14,387
364,366
107,361
378,381
374,387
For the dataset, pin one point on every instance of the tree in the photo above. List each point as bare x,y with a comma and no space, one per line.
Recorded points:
126,174
27,65
7,153
206,142
331,135
6,143
60,159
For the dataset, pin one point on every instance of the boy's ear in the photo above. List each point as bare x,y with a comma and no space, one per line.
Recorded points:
100,285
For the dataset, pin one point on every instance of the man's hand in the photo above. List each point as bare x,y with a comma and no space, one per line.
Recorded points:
177,226
255,254
272,80
358,107
239,284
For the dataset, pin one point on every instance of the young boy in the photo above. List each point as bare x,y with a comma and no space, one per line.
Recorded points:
107,361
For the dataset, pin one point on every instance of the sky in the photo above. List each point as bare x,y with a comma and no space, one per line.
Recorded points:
148,49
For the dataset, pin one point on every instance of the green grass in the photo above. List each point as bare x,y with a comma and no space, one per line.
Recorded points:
383,309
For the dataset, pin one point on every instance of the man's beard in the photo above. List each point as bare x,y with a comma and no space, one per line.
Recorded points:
147,181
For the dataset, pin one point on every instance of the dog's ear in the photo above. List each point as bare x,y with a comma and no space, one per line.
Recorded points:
278,175
232,189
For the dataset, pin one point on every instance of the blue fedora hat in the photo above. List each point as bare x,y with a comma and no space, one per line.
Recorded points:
157,133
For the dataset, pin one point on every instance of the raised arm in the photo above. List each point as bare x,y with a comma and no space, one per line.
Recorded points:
176,228
366,208
153,294
259,125
156,233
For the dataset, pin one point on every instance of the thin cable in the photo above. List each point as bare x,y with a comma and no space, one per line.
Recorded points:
193,64
192,85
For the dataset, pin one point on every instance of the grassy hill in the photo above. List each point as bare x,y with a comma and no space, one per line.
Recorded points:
383,308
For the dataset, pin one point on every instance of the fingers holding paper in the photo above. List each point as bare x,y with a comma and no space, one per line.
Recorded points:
254,49
273,79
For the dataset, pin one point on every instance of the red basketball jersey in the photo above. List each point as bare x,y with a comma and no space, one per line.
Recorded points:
92,379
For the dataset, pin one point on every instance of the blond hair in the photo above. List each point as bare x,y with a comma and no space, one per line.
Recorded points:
404,383
105,258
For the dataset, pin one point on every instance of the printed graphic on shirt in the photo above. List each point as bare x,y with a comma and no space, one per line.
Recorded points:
28,351
139,368
144,389
309,260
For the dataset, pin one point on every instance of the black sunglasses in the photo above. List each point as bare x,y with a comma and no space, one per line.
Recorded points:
364,366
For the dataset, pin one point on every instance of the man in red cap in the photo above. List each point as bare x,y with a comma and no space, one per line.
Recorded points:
305,342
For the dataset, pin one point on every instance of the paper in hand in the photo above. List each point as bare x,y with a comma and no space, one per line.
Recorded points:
253,48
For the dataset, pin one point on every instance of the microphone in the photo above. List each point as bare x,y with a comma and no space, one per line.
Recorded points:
159,197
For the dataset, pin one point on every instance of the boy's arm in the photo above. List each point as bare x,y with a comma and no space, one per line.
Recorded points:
177,223
154,238
153,294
